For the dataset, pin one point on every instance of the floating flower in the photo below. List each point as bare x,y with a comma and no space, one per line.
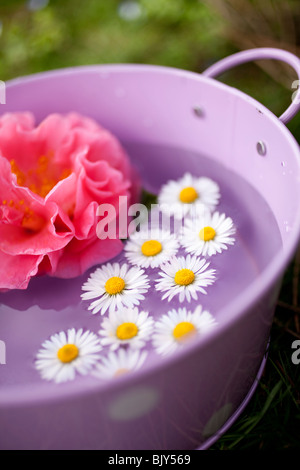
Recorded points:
177,327
115,286
120,362
65,354
53,178
182,197
209,235
151,248
126,327
185,277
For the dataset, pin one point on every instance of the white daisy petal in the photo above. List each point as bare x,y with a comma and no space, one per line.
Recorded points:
177,327
151,248
207,235
114,286
75,352
126,327
180,198
185,277
120,362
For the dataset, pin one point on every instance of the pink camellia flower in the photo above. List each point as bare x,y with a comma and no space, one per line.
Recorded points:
52,179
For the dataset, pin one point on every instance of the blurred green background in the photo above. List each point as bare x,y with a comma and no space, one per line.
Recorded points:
38,35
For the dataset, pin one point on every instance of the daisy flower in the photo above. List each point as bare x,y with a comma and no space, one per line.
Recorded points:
185,277
151,248
65,354
126,327
114,286
177,327
120,362
182,197
209,235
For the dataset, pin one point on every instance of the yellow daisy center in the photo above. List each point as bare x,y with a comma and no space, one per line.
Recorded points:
151,248
184,277
67,353
207,233
188,195
114,285
127,330
183,330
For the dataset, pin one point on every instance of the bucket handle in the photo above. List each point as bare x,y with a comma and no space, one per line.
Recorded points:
260,54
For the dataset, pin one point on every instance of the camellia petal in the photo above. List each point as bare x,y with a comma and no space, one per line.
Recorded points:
80,256
16,271
53,177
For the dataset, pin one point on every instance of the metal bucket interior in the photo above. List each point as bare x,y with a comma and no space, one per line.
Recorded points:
177,399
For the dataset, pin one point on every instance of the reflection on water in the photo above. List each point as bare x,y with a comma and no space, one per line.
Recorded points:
45,292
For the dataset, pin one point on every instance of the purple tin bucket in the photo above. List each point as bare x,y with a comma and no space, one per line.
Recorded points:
185,401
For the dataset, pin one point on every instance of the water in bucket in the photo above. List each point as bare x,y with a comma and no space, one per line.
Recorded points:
51,305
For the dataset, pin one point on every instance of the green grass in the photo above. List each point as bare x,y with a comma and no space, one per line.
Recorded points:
185,34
